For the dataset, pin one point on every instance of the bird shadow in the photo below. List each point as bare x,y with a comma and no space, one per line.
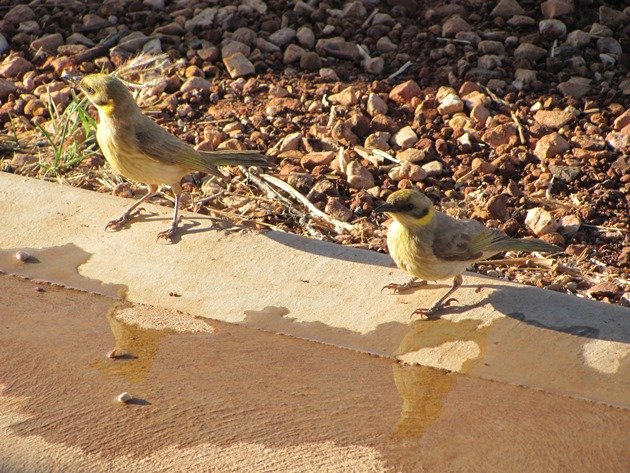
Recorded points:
331,250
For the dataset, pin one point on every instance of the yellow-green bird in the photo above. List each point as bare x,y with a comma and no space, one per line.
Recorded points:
143,151
432,246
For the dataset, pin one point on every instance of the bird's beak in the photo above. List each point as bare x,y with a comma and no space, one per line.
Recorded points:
71,77
385,208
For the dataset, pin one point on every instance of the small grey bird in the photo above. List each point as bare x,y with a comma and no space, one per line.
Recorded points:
430,245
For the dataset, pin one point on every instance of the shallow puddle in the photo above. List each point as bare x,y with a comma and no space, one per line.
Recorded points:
223,397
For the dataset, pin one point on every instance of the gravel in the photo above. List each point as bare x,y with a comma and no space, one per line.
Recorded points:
511,112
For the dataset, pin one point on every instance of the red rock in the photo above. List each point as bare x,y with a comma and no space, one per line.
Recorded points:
14,67
483,167
551,145
403,93
622,120
6,88
335,208
555,8
196,84
500,135
323,158
49,43
553,118
618,140
358,176
410,155
19,14
507,9
454,25
604,289
497,207
553,238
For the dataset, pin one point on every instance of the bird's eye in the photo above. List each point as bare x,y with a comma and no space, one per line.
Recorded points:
88,89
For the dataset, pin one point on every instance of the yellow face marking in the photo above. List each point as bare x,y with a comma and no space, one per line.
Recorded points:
427,218
108,108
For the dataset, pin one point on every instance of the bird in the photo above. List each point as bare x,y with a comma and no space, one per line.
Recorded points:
432,246
142,151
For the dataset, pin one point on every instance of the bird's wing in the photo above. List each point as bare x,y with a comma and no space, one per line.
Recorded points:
158,144
462,240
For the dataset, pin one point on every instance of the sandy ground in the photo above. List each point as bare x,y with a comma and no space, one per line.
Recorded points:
212,396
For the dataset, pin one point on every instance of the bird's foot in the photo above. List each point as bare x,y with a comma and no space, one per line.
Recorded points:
398,288
168,234
431,311
117,223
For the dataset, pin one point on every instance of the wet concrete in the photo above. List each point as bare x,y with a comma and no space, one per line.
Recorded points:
221,397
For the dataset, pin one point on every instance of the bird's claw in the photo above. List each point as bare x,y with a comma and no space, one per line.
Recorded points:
124,218
167,234
398,288
427,313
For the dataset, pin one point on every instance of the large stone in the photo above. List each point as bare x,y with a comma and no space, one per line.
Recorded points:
578,39
500,135
306,37
405,137
555,8
49,43
454,25
507,9
576,87
540,221
238,65
411,155
234,47
196,84
15,67
530,52
19,14
622,120
204,19
450,105
347,97
7,87
376,105
337,47
553,118
611,17
283,36
293,53
552,29
4,44
358,176
551,145
403,93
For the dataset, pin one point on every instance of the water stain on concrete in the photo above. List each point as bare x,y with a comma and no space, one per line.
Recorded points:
57,263
230,388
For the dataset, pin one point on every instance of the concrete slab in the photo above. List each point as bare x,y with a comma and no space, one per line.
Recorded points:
318,291
212,396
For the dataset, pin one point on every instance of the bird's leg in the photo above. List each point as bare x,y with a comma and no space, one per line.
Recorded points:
443,301
131,211
398,288
170,231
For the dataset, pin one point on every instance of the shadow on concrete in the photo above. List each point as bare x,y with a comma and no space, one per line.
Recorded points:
330,250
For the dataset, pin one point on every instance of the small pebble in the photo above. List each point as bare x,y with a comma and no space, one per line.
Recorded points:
124,397
116,353
22,256
39,289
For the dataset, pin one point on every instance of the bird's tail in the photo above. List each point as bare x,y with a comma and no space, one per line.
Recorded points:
521,244
230,157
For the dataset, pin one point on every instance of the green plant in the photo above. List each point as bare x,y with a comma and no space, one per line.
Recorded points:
61,137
